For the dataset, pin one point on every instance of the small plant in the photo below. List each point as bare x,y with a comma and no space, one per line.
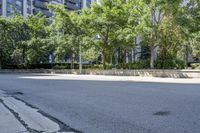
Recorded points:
195,65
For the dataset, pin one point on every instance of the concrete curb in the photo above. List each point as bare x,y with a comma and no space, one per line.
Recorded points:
116,72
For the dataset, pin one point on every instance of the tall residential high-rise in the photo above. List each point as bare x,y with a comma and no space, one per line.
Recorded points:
0,7
86,3
8,7
25,7
41,5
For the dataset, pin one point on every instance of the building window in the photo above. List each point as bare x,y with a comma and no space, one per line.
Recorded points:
19,3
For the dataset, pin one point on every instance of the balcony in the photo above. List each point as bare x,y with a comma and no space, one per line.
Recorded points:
45,12
72,6
40,4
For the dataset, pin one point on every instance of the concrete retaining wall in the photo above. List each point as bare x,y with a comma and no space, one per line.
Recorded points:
147,72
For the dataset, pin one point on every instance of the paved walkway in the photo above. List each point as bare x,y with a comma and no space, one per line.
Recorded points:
112,78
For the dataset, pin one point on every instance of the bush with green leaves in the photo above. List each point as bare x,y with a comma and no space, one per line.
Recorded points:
169,64
141,64
195,65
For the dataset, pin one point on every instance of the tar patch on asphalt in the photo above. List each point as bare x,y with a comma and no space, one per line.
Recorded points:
162,113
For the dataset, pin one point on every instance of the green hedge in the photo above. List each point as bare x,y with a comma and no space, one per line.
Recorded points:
169,64
141,64
41,66
158,64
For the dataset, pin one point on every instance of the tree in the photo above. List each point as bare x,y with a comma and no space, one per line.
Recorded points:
38,48
157,22
190,19
5,39
70,25
108,26
13,31
21,34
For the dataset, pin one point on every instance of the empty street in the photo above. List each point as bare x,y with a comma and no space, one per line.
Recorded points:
108,104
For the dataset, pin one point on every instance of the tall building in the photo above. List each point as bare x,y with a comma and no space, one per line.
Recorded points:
85,3
25,7
8,7
41,6
0,7
72,4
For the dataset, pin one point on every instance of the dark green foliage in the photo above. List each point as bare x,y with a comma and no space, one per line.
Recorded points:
169,64
195,65
105,31
42,66
141,64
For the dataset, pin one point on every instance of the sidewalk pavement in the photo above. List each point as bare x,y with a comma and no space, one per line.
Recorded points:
111,78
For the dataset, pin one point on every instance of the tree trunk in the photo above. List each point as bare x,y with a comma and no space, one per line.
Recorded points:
119,55
104,58
72,61
23,55
152,58
1,57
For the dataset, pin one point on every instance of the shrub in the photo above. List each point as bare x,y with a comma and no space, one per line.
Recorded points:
195,65
169,64
60,67
11,66
121,66
64,66
141,64
41,66
96,66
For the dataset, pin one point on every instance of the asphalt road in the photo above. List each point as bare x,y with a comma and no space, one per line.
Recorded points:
110,106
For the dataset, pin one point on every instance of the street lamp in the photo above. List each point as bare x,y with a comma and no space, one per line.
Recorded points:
80,52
